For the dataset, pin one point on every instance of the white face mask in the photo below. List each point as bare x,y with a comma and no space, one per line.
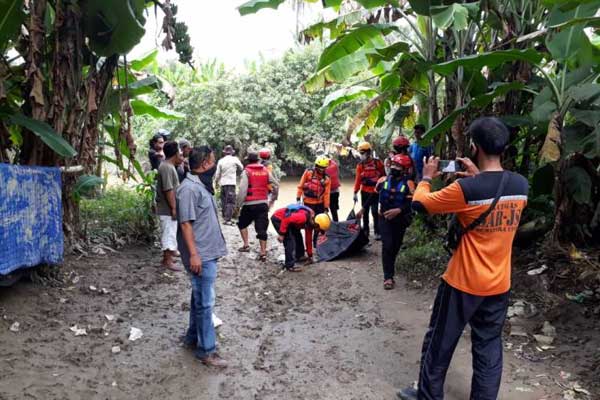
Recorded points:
363,157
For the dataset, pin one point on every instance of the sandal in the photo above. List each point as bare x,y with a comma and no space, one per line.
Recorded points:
294,269
244,249
262,257
389,284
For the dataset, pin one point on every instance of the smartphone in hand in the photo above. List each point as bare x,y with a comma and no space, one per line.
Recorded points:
451,166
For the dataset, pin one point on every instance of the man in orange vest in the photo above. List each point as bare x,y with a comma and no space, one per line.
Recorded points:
368,172
254,199
315,188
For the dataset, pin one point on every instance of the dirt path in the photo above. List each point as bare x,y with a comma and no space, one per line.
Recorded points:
330,332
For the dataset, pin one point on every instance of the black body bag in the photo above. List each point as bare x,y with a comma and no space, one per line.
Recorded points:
456,230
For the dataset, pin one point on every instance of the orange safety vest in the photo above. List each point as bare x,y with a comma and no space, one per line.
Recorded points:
314,187
258,182
370,173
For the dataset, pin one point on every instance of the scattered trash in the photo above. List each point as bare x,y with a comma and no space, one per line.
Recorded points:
574,253
114,384
548,329
579,297
15,327
135,334
569,395
565,375
577,388
75,280
93,288
115,349
104,291
217,322
543,339
517,330
523,389
521,308
78,331
537,271
110,317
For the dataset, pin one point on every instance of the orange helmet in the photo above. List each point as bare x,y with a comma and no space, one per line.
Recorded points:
264,153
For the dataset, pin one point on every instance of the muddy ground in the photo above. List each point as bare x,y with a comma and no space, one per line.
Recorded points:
329,332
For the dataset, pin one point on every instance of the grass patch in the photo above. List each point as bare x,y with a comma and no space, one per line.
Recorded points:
422,256
119,215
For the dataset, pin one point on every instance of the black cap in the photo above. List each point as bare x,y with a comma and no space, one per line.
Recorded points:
252,157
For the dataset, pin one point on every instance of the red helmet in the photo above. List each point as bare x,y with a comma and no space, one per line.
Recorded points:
403,160
400,141
264,153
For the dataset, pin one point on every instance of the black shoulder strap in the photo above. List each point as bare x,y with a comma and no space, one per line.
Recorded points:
487,212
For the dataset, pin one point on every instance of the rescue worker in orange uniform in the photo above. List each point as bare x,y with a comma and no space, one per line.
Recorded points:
254,199
288,222
368,172
265,158
315,188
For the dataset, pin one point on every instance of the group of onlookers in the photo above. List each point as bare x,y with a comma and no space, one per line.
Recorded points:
487,202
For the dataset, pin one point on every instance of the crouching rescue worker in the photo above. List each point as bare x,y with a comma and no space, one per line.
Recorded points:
395,214
254,199
315,188
288,223
368,172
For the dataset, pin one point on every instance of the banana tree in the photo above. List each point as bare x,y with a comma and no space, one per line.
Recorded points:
58,62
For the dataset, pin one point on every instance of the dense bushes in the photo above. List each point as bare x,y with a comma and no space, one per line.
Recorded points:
120,215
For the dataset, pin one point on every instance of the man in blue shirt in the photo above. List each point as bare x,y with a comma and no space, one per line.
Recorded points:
417,152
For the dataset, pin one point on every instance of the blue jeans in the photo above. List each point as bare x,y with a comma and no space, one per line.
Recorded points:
201,331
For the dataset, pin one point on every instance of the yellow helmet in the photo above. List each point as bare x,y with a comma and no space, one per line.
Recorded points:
364,146
323,221
322,162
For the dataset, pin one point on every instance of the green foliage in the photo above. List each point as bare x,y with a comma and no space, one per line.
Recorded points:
11,17
85,185
422,255
120,214
113,26
46,133
253,6
264,107
140,107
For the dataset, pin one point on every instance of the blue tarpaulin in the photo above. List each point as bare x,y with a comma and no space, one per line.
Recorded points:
30,217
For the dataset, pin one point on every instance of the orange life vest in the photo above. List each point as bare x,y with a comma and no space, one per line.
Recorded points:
370,173
258,182
314,187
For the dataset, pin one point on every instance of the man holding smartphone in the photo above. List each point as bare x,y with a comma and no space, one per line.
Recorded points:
475,287
201,244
